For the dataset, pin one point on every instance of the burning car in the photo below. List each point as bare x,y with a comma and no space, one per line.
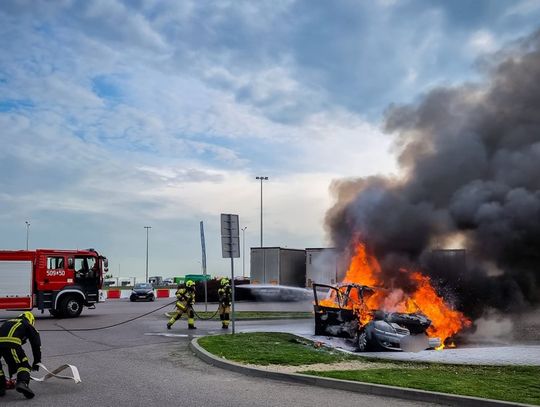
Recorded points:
344,313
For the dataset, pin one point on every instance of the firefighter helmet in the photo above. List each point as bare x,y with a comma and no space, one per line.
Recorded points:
29,317
224,282
190,283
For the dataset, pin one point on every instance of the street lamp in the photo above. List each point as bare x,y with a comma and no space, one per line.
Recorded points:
262,179
27,232
244,251
147,229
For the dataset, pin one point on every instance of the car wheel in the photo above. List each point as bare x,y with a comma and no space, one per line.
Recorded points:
362,341
132,299
71,306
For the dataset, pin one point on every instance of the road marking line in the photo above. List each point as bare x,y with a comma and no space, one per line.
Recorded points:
172,335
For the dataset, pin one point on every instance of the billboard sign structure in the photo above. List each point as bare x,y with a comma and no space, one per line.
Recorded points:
230,236
230,248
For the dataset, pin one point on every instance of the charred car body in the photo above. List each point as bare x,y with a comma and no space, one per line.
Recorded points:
340,317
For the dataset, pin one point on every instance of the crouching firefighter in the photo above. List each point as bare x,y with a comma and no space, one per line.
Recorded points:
225,297
185,299
13,334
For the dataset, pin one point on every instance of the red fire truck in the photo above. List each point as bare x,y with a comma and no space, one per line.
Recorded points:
62,281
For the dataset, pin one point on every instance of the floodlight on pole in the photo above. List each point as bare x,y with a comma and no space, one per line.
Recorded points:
27,232
244,251
262,179
147,229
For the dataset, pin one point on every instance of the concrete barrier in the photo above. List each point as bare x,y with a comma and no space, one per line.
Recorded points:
113,294
162,293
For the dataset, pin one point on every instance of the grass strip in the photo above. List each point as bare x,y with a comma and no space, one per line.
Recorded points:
508,383
252,315
269,349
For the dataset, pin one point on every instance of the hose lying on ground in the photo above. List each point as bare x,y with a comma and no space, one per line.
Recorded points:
205,319
105,327
118,323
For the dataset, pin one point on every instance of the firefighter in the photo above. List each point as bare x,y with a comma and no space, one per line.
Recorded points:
224,296
13,334
185,297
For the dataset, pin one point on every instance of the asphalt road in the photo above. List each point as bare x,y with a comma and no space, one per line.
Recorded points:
141,363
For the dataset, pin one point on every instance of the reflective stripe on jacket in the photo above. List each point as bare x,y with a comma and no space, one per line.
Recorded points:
15,332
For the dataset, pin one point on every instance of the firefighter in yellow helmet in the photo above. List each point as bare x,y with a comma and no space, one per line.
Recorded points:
185,299
224,297
13,334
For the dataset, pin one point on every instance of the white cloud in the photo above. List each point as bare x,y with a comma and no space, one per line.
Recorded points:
114,20
208,96
482,42
523,7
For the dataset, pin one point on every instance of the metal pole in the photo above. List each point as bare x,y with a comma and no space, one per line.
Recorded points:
203,266
232,294
244,252
147,229
261,212
27,232
265,179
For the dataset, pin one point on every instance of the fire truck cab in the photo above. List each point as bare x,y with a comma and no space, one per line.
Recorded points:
62,281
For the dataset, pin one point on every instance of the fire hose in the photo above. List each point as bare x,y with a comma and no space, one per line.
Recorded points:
206,319
107,326
55,373
168,314
75,376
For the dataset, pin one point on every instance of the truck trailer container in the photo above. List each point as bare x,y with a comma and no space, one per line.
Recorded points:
279,266
321,266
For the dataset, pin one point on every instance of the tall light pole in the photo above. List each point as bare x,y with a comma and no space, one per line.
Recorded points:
147,229
27,232
244,251
262,179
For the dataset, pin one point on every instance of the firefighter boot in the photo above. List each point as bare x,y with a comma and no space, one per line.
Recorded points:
23,388
168,326
2,386
223,326
191,326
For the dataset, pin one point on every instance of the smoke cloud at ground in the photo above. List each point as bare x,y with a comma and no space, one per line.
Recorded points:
470,161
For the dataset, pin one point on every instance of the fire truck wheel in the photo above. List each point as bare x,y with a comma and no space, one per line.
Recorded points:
71,306
55,313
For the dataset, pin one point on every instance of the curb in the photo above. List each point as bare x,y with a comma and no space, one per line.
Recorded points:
358,387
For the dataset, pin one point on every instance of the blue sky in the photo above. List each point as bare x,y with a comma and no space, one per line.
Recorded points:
119,114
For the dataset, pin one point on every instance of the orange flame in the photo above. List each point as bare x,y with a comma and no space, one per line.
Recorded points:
364,269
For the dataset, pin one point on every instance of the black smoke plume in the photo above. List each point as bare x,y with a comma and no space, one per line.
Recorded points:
470,161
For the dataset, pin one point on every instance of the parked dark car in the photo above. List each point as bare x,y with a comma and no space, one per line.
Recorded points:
385,331
143,292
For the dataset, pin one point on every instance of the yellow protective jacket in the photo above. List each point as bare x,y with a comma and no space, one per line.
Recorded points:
185,295
225,296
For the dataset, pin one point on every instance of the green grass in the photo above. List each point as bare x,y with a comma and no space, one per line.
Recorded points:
509,383
269,349
250,315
